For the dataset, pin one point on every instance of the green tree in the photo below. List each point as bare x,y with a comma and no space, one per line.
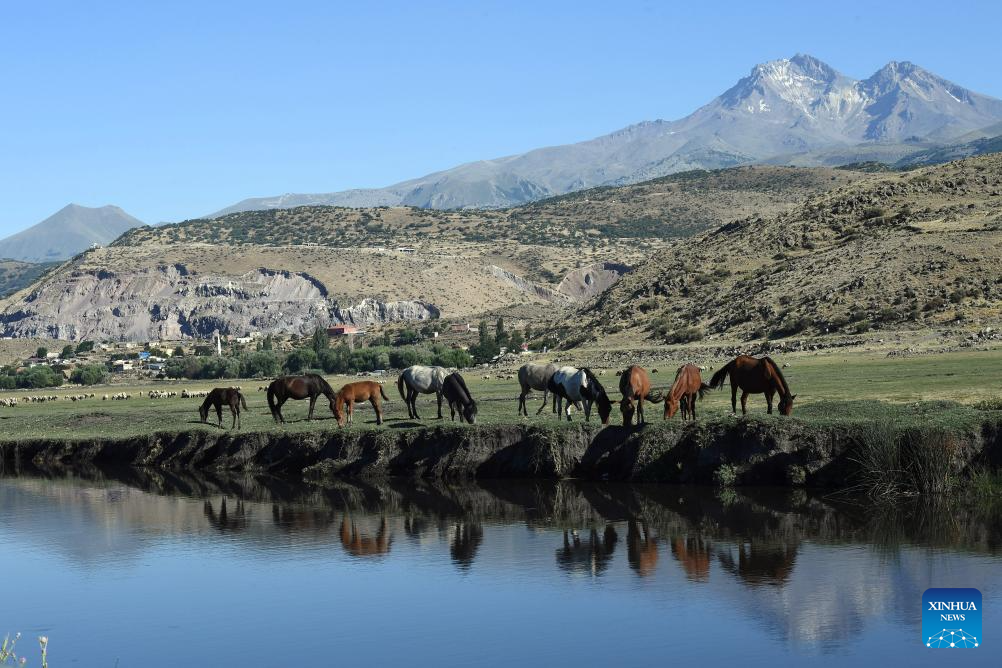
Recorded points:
179,352
268,343
320,341
69,350
407,336
39,376
300,360
85,347
500,336
42,352
90,374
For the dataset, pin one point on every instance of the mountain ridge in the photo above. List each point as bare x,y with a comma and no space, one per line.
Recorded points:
65,233
793,107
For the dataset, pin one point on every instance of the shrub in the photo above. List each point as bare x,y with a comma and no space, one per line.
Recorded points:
39,376
90,374
685,335
301,359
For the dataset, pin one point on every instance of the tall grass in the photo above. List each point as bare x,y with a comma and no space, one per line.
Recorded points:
888,461
8,651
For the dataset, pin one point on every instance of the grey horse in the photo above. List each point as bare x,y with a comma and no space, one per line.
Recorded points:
535,376
421,380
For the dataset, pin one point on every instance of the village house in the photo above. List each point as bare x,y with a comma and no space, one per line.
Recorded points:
344,330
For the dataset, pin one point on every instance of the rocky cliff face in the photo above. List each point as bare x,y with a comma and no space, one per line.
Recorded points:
169,302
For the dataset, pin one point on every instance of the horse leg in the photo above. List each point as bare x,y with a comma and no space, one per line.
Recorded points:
438,395
278,409
412,396
219,414
692,405
313,402
233,410
768,401
640,412
351,412
379,411
521,402
744,402
543,405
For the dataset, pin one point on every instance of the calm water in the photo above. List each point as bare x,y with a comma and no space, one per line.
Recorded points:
147,569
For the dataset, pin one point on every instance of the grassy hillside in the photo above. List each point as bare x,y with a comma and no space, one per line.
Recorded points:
16,275
674,206
897,251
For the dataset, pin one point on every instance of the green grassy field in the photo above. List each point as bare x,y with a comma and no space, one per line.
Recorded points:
925,390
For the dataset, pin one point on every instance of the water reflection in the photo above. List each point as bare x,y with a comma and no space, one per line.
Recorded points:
765,555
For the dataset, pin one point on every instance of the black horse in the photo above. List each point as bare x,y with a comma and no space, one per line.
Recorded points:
308,386
223,395
460,400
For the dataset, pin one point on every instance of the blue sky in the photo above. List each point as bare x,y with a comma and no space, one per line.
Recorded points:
174,110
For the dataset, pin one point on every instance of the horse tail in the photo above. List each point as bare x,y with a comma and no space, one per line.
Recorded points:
703,389
271,399
383,393
243,402
717,381
785,390
400,386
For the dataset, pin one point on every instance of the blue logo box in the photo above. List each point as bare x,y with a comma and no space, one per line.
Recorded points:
951,618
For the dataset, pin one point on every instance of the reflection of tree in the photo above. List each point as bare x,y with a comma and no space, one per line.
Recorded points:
641,549
224,520
359,544
302,520
589,556
465,541
761,563
693,552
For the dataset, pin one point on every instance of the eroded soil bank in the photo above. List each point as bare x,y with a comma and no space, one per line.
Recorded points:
721,451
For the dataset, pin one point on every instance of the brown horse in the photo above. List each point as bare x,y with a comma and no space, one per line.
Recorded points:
358,544
688,387
308,386
755,376
223,395
635,385
356,393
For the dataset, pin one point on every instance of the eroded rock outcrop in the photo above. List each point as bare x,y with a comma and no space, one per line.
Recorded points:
170,302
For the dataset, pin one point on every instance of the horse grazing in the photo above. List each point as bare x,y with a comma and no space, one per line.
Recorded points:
687,388
421,380
580,386
308,386
755,376
635,385
223,395
460,400
356,393
535,376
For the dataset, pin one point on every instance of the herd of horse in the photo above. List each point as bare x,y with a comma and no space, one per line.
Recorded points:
567,386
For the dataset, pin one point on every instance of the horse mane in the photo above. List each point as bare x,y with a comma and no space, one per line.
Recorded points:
786,387
592,379
325,387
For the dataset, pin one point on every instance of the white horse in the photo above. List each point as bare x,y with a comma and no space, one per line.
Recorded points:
535,376
580,386
421,380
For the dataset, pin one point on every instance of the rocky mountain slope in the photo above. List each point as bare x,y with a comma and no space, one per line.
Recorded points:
67,232
797,110
289,270
906,250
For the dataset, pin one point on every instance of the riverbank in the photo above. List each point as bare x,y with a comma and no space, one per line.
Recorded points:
922,447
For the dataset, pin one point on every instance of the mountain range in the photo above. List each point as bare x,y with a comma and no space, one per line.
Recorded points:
790,111
67,232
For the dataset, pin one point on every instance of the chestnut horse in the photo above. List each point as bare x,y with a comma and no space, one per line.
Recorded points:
308,386
688,387
356,393
223,395
635,385
755,376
